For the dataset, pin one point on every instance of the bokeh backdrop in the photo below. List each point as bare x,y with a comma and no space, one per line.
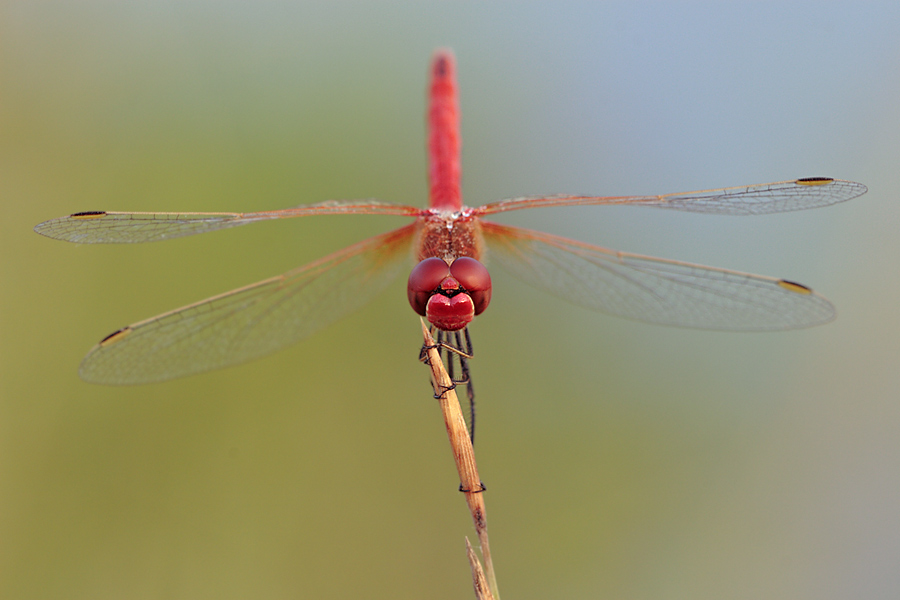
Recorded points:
623,460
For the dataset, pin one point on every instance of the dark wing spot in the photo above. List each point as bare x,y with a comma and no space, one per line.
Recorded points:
794,286
115,336
814,180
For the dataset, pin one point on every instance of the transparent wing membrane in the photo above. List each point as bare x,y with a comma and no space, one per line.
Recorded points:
251,321
102,227
654,290
765,198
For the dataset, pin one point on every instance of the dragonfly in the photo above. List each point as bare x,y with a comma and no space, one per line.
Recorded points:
449,285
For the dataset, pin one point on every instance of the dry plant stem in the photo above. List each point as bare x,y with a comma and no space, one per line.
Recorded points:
482,591
463,453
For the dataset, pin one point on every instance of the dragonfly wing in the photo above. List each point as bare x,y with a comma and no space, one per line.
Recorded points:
764,198
654,290
251,321
102,227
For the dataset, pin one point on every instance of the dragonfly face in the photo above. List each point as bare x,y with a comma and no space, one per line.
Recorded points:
449,295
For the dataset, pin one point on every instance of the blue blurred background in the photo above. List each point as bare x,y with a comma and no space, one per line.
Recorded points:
623,460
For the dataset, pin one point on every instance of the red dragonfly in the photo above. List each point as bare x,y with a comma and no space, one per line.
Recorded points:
449,285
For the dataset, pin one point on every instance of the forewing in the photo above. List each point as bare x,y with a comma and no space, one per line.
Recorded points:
654,290
102,227
764,198
251,321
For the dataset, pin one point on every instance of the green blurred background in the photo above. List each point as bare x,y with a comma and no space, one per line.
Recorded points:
623,460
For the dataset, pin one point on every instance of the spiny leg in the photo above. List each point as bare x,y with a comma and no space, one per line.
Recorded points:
458,345
440,345
459,349
466,376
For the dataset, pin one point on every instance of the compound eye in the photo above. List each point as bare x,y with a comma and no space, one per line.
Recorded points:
425,279
474,278
470,273
428,275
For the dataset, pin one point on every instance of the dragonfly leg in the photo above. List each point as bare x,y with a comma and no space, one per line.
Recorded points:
461,346
466,377
439,390
458,345
481,488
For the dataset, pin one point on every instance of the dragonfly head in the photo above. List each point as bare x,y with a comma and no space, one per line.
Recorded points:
449,295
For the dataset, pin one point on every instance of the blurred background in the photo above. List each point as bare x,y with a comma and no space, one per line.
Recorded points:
623,460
